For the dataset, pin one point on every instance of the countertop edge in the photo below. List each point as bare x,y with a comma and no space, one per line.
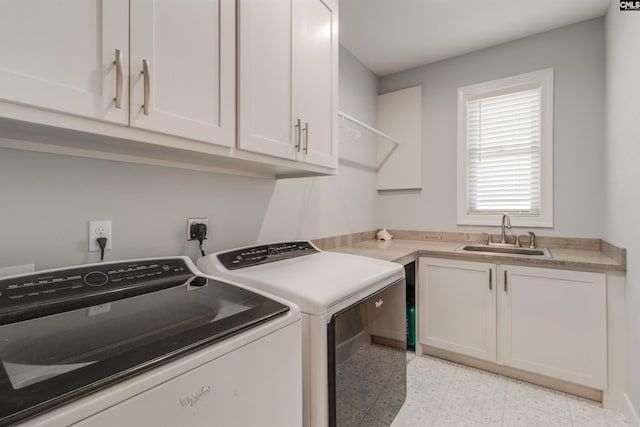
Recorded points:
404,255
516,260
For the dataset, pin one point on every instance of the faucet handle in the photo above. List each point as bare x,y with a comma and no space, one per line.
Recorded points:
532,239
518,244
488,241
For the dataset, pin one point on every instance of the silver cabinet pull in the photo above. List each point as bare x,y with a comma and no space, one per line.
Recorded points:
298,135
505,281
490,274
305,129
118,63
147,86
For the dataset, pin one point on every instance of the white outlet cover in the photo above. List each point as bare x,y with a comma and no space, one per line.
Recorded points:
99,229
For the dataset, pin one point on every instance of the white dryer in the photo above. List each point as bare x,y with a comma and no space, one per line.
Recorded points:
353,321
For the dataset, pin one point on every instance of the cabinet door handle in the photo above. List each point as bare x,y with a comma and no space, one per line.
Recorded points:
118,62
147,86
505,281
490,274
298,135
305,129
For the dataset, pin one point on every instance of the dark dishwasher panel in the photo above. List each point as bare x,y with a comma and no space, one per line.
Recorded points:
367,359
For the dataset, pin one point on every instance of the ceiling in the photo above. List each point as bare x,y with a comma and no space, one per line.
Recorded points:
394,35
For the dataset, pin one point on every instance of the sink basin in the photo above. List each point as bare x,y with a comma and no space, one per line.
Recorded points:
536,252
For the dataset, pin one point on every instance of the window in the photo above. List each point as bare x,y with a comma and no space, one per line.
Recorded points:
505,151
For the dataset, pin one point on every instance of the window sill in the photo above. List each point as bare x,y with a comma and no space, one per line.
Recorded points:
516,221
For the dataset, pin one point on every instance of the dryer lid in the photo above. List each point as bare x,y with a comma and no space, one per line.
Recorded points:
315,281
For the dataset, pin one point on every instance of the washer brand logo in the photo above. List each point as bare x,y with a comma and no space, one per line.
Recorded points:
193,398
629,5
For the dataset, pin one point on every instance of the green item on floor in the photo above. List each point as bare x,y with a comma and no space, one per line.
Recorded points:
411,323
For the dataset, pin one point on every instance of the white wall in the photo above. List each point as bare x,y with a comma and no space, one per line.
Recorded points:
333,205
622,173
577,55
46,200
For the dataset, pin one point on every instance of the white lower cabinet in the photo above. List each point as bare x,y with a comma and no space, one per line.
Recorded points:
457,307
545,321
554,323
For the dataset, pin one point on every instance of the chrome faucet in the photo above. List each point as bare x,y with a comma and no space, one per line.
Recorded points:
532,239
506,221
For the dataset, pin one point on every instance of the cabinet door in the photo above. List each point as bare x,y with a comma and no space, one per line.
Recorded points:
315,79
457,307
553,322
265,116
189,47
59,55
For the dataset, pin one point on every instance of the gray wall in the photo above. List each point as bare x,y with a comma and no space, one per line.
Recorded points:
622,173
576,53
46,200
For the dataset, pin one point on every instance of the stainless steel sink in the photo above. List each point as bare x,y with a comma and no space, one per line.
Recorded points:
529,252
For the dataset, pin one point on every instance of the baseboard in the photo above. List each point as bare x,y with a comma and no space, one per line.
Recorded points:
630,412
552,383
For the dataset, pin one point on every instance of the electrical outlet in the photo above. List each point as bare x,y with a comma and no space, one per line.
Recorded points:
99,229
190,221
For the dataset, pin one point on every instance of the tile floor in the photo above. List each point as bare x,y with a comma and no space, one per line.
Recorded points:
443,394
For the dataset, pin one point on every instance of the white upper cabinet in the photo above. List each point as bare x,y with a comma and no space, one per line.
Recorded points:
61,55
288,79
315,79
265,77
154,82
72,56
188,86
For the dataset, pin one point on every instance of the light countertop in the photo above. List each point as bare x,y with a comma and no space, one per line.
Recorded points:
406,251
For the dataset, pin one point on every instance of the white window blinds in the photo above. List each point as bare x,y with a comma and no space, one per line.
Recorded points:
503,148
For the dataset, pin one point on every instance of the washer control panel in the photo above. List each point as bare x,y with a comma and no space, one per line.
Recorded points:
75,286
256,255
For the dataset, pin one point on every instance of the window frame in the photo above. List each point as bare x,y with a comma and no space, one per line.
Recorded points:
542,79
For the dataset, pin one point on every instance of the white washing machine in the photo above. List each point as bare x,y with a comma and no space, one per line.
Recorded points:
353,321
146,342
